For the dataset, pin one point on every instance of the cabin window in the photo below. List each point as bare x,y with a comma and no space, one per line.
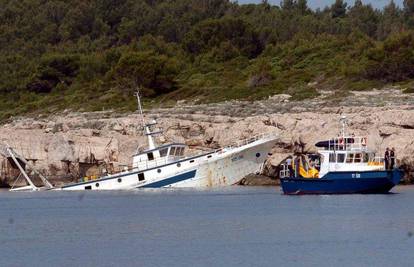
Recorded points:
150,156
141,176
179,151
341,158
172,151
358,158
332,157
89,187
191,161
163,152
350,158
209,156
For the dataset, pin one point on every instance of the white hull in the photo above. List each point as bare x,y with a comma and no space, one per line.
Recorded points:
218,168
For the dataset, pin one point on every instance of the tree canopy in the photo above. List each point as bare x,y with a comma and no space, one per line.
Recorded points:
91,55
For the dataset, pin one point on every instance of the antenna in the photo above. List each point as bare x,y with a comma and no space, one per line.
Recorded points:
344,121
141,115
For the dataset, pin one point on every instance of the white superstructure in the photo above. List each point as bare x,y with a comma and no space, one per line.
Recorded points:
348,153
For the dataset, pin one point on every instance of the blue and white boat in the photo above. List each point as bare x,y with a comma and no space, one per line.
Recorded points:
344,165
167,166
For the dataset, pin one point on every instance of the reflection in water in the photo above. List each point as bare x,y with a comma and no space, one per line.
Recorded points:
236,226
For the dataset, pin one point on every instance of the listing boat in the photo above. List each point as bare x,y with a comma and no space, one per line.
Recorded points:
166,165
344,165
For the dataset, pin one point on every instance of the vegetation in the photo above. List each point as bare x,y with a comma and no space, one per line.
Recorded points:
91,55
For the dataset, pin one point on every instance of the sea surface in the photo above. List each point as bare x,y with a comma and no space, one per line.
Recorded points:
235,226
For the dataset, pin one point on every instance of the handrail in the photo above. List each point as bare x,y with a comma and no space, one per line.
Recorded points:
146,164
250,140
348,143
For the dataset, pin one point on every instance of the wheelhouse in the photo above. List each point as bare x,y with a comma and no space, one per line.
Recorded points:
159,155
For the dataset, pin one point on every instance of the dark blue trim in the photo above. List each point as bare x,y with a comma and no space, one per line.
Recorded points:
171,180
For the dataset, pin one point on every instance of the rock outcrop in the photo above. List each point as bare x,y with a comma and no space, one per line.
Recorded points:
69,145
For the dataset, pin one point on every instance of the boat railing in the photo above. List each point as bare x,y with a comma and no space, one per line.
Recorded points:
347,143
263,136
148,164
284,172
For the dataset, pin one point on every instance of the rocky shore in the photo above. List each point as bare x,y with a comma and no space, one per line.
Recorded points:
69,145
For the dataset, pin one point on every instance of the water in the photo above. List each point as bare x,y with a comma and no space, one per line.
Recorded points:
237,226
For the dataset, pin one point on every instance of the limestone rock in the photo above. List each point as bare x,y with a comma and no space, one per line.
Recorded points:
73,144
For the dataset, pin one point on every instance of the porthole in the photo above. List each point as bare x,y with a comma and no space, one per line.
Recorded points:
209,156
178,164
159,170
97,184
119,180
257,155
191,161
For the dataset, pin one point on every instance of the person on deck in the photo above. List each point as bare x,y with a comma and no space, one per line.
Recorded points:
392,158
387,158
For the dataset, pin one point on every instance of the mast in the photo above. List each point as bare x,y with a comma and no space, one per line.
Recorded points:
344,121
146,127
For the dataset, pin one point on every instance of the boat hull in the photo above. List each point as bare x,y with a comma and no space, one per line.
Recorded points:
369,182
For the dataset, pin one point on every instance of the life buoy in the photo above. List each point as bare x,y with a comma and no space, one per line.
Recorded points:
364,141
341,141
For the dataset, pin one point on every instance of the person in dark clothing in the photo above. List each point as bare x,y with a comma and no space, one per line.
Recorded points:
387,158
392,158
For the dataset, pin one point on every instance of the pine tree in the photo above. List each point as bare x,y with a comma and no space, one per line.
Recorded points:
409,7
302,6
409,12
364,18
338,9
287,4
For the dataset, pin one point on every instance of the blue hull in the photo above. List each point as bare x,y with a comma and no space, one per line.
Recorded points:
369,182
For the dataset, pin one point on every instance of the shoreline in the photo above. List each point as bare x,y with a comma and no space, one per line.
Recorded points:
70,145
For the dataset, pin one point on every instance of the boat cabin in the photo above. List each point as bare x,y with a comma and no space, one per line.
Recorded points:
159,155
347,154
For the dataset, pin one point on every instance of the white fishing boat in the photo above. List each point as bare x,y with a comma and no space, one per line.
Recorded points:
167,165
